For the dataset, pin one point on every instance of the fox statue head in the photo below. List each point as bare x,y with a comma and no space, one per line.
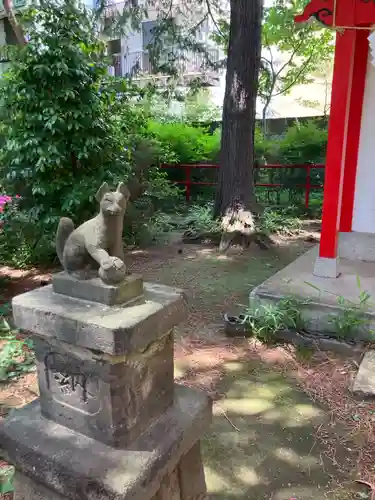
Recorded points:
113,203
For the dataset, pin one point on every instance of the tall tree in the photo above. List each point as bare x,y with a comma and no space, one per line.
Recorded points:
291,55
235,197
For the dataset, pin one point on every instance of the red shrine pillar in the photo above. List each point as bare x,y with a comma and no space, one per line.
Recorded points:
343,140
361,51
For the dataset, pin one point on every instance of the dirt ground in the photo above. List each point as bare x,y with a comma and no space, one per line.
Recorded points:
269,439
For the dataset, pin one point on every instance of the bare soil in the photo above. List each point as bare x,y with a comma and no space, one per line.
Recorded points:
242,375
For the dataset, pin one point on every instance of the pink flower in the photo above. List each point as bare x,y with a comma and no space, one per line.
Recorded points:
4,199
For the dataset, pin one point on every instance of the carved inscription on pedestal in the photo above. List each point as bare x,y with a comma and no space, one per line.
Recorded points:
71,388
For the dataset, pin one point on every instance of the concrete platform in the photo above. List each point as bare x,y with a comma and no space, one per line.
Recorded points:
319,296
67,464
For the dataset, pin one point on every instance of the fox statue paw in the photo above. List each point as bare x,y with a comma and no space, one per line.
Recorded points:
112,270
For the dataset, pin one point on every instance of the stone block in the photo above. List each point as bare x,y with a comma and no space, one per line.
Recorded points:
191,472
96,291
170,487
27,489
326,267
110,398
364,383
115,330
80,468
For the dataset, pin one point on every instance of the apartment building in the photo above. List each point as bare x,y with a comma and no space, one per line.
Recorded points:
7,36
131,55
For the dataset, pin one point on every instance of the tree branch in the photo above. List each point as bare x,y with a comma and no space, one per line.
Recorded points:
209,10
270,51
285,89
289,60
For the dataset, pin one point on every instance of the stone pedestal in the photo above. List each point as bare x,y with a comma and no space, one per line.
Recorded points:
110,423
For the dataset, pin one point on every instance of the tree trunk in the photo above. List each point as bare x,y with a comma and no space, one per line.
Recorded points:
17,28
235,190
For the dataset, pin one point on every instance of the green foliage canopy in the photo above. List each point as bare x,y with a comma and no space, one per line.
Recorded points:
67,127
305,49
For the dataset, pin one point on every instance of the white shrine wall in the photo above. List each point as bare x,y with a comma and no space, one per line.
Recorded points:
360,243
364,199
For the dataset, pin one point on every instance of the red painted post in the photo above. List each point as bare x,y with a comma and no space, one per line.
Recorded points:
187,183
308,186
337,137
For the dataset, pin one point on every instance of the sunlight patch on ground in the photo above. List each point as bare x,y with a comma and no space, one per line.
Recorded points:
293,458
261,444
253,406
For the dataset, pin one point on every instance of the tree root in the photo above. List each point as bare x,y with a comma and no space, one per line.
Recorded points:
263,241
239,227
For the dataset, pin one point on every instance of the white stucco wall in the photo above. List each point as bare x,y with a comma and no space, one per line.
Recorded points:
364,201
2,32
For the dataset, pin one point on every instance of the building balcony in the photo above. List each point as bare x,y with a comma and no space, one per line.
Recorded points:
17,4
138,64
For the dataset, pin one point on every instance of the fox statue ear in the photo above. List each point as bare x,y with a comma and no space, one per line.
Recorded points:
104,188
122,188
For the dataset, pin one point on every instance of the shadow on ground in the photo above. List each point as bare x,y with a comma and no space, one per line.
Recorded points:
261,444
214,283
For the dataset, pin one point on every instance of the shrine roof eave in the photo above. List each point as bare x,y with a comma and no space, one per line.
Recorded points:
339,13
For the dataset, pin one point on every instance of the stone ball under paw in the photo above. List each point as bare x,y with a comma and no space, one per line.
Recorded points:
112,271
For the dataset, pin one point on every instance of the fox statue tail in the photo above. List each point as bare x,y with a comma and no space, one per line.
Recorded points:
64,230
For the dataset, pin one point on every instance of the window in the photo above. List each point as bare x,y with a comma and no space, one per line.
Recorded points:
114,46
148,28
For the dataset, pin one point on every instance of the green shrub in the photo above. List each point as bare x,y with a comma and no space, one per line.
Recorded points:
265,321
279,221
304,143
16,355
59,133
182,143
199,220
67,128
189,144
156,230
301,144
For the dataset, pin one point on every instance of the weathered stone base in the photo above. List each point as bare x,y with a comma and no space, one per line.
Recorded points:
117,330
97,291
112,399
163,464
326,268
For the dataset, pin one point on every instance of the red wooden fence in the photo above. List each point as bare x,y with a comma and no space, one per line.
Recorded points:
188,182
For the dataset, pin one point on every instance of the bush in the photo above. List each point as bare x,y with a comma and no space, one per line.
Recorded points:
67,128
153,230
58,133
199,221
182,143
192,107
304,143
279,221
265,321
186,143
301,144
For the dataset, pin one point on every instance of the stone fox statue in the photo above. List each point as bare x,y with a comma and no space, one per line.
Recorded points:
95,248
